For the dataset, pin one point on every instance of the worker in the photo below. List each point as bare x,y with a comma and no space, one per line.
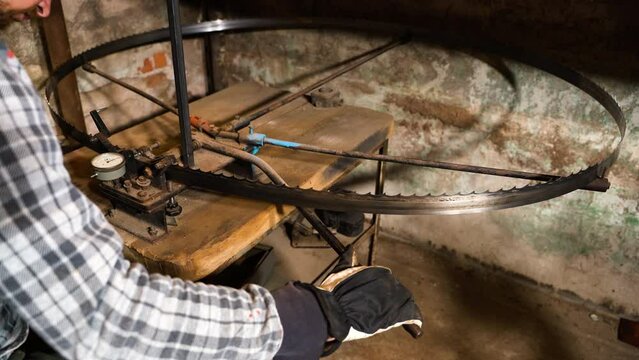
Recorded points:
63,275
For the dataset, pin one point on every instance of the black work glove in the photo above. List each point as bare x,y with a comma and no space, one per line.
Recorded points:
361,301
354,302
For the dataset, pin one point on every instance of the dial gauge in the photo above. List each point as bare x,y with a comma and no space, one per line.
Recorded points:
109,166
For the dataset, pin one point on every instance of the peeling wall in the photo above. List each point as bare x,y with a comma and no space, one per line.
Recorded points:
451,106
94,22
91,23
448,105
24,39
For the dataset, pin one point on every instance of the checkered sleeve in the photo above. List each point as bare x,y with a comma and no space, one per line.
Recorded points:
62,269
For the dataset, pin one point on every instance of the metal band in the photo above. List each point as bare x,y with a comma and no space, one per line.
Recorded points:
437,204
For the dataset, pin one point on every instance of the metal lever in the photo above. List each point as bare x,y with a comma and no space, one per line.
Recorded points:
99,123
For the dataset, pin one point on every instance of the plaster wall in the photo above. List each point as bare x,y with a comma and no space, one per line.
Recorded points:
451,106
448,105
93,22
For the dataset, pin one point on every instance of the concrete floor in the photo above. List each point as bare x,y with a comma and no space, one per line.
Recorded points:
470,312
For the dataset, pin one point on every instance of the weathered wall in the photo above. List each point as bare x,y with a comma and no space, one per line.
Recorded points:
451,106
448,106
91,23
24,39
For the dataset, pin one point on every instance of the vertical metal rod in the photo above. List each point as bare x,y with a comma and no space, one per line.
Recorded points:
211,49
379,189
179,71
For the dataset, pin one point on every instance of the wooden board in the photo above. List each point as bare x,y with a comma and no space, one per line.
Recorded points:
214,229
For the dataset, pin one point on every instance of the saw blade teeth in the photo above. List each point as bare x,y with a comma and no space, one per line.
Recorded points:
567,182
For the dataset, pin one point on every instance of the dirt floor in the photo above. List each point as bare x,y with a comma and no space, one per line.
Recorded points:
470,312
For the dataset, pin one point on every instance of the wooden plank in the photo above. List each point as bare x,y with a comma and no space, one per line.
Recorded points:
57,48
216,229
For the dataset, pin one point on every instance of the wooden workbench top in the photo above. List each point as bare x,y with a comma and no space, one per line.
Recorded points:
215,229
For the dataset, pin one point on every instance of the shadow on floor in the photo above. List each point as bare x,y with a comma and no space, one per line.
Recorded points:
470,312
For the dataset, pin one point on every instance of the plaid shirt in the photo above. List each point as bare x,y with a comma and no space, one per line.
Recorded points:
62,269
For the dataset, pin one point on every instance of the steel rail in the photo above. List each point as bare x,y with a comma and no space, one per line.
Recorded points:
237,125
597,185
439,204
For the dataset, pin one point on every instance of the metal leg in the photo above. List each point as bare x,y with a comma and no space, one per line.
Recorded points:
211,49
179,71
373,228
379,189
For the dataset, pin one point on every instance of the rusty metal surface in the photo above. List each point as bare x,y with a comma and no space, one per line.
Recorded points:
431,204
328,97
358,61
212,230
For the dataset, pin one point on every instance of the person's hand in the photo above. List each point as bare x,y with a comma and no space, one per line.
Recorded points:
361,301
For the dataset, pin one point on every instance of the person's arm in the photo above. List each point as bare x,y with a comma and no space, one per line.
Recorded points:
62,269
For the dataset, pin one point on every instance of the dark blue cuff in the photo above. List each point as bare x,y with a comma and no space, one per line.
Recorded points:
305,330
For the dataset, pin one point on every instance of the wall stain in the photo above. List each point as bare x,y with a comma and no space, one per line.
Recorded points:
360,87
156,80
453,115
511,139
448,106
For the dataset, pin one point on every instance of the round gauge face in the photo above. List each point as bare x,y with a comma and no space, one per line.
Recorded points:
107,161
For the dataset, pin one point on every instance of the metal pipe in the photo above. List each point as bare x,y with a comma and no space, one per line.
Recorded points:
179,71
230,151
595,186
212,145
376,219
244,122
600,184
92,69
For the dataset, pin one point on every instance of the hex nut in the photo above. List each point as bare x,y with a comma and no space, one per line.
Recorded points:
143,181
127,185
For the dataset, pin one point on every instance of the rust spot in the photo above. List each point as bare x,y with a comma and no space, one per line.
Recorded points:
159,59
413,126
360,87
146,67
502,134
155,80
447,114
561,157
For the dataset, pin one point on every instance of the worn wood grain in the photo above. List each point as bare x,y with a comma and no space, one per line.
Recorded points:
215,229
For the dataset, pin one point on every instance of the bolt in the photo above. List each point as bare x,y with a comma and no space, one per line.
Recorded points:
127,185
142,181
594,317
152,231
148,172
173,208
